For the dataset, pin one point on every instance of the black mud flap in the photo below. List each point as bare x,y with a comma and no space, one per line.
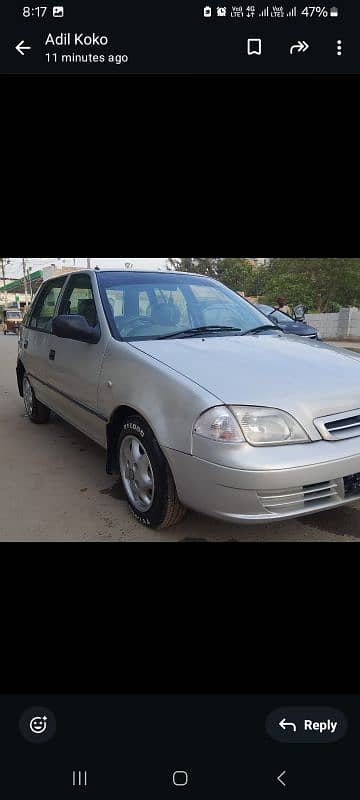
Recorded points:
112,462
20,375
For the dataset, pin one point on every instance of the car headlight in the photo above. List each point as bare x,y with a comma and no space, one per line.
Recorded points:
268,426
218,424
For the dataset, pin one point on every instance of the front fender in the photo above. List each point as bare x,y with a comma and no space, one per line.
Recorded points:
169,402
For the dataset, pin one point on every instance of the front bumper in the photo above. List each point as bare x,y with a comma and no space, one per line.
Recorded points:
253,495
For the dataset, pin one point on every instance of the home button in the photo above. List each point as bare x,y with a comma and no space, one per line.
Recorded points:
180,779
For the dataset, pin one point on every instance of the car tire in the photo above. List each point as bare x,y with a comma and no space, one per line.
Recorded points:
153,498
36,411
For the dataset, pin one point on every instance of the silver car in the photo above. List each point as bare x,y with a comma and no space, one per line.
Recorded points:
198,400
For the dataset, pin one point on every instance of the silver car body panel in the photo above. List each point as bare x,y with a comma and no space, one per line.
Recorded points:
305,378
170,383
74,379
69,385
168,401
239,495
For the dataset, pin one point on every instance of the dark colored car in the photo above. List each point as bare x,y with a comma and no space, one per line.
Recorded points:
287,324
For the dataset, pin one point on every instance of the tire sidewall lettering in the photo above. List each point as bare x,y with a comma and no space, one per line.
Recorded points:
131,426
139,518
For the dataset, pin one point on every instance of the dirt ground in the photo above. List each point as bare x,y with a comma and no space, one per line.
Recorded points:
53,487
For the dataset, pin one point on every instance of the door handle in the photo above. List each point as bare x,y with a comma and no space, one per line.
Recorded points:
52,355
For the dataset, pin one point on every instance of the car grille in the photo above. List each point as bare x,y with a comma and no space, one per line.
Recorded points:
339,426
352,485
302,498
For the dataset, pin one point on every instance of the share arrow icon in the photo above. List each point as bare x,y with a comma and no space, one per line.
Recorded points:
300,47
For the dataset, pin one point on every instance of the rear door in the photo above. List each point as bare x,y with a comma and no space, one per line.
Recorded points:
36,334
75,367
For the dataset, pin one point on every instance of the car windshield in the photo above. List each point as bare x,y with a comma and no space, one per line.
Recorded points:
275,314
142,306
13,315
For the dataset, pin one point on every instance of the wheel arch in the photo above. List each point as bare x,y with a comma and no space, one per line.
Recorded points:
112,431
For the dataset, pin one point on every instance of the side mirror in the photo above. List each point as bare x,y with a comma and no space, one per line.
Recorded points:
75,327
299,313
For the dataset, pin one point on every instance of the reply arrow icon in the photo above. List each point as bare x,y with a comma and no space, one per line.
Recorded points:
283,724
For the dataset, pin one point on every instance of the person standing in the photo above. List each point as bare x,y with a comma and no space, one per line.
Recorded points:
282,305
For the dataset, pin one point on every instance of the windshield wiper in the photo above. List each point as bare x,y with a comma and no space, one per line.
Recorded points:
196,331
262,328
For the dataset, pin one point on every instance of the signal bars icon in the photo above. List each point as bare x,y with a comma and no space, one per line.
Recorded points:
266,13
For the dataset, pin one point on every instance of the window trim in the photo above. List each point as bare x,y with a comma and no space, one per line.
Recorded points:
106,309
69,278
38,298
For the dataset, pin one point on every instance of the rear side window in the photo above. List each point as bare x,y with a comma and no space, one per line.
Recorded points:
44,309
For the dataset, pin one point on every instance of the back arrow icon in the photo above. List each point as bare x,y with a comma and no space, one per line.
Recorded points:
280,779
21,46
300,47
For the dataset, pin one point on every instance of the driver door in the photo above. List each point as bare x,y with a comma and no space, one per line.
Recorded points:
75,366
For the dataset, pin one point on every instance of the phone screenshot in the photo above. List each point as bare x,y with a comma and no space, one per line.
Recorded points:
191,37
188,747
180,400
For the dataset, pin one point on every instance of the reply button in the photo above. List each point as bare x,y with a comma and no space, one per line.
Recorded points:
302,725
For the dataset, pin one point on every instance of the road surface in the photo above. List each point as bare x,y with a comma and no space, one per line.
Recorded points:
53,487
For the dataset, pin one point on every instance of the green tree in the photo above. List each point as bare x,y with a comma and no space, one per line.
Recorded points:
204,266
319,283
238,274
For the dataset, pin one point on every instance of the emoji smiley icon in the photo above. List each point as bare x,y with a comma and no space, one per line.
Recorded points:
38,725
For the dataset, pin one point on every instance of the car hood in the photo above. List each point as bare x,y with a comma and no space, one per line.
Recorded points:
306,378
297,328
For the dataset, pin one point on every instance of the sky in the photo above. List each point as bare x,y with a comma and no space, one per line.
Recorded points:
15,267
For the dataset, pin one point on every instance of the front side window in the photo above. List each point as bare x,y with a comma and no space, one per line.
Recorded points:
79,299
275,314
154,306
44,309
279,316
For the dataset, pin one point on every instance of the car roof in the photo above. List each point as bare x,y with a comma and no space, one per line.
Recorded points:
142,271
127,272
